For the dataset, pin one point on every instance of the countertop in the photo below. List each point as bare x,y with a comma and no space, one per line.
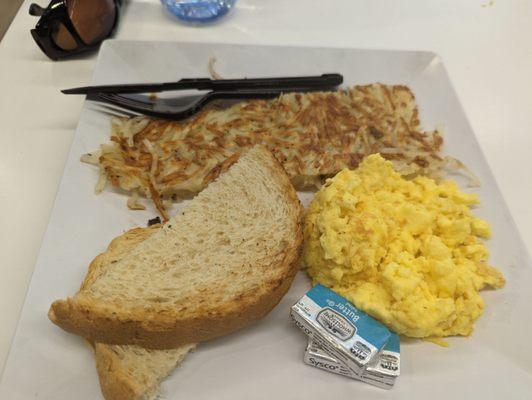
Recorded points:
485,45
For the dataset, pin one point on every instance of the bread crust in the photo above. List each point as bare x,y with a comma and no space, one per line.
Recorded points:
106,323
115,385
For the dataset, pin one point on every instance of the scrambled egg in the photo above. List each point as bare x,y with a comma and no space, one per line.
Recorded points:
407,252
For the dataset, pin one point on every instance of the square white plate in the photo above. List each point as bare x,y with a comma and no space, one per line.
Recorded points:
264,361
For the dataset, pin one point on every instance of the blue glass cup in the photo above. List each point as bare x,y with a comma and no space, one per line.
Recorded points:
198,11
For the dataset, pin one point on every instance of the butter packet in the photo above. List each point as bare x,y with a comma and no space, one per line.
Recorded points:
343,331
381,373
388,364
315,356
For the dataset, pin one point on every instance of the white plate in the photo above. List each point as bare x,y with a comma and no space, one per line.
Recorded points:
264,361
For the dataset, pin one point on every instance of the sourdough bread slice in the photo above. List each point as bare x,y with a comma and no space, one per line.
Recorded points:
221,263
130,372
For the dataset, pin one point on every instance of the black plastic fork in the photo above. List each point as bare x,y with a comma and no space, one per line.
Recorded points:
126,97
183,107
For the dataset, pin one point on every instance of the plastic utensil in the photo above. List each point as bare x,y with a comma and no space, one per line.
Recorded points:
182,107
299,82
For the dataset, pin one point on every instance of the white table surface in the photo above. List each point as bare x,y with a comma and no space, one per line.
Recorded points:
485,46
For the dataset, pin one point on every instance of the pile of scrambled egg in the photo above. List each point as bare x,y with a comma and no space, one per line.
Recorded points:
407,252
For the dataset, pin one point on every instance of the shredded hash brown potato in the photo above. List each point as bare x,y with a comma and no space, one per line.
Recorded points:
313,135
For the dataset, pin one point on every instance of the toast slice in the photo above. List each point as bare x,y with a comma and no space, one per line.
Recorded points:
133,373
221,263
130,372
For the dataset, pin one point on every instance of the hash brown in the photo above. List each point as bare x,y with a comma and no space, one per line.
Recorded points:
313,135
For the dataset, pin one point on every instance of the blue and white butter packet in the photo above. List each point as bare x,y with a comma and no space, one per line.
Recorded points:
381,373
388,364
337,326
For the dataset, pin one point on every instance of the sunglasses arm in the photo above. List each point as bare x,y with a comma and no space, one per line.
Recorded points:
36,10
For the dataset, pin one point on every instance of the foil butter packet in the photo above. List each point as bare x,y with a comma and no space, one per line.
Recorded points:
381,373
387,367
346,333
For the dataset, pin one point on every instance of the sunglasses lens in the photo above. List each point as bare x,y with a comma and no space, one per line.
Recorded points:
62,37
93,19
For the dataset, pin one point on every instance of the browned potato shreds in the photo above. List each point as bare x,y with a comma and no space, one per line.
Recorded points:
313,135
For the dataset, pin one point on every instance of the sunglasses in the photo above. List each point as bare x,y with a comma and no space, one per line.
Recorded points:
68,27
